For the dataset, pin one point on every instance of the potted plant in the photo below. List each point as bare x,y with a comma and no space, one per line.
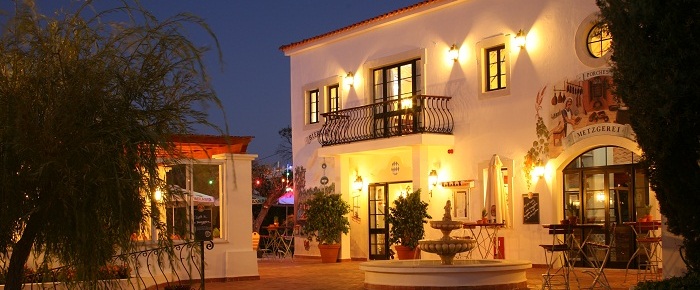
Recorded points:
484,219
645,214
326,221
573,213
407,217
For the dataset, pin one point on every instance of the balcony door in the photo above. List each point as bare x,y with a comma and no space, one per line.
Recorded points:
394,88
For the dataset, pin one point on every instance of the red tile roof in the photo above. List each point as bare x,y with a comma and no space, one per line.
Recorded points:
360,24
204,146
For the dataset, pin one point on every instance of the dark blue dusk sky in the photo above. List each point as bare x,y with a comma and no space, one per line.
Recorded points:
253,82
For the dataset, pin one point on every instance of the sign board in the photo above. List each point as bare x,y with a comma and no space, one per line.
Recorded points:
531,208
202,223
458,183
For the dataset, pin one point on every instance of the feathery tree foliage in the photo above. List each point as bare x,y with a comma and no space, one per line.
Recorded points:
656,70
88,105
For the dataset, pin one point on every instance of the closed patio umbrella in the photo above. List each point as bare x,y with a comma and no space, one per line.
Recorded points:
494,199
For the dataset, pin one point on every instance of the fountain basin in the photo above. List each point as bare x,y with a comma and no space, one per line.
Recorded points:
462,274
450,247
446,225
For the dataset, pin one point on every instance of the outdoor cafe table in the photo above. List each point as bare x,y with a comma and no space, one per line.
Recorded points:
585,229
485,235
276,242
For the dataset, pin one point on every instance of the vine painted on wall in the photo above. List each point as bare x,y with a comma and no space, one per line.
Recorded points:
535,156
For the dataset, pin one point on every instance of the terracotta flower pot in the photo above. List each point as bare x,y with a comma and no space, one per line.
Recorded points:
329,253
406,253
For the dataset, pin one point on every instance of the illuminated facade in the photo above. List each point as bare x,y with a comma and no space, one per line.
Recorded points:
443,86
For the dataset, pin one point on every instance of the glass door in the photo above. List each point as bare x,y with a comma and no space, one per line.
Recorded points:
605,185
378,226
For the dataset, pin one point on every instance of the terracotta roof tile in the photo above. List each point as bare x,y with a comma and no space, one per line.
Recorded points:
359,24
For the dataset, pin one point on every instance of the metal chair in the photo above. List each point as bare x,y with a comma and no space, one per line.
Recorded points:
256,245
648,242
598,255
556,256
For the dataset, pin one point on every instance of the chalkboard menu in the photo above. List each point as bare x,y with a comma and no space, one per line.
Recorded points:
202,224
531,208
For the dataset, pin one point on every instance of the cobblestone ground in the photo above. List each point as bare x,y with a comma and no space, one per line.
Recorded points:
308,274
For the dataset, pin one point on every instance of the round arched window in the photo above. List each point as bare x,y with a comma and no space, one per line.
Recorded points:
599,40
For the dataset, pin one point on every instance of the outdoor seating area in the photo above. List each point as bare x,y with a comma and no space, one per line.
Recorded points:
572,247
278,243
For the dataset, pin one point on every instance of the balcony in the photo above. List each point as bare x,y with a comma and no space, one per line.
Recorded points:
414,115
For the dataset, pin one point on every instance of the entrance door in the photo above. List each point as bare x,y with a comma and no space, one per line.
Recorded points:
378,226
607,185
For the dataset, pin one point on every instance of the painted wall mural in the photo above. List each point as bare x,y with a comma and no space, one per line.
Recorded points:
583,107
572,110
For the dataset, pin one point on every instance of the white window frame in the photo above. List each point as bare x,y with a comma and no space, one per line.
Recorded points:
189,182
581,44
323,106
482,61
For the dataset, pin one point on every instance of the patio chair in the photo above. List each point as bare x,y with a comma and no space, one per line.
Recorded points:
556,256
598,255
648,243
256,244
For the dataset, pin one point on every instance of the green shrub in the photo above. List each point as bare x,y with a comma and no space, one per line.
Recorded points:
689,281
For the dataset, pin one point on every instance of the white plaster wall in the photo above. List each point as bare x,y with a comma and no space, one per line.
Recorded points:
483,126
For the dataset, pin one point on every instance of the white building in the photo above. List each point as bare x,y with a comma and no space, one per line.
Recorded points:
442,86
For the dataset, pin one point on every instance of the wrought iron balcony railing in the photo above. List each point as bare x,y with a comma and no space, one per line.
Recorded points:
414,115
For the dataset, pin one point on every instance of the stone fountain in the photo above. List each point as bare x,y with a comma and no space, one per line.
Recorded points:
446,247
446,273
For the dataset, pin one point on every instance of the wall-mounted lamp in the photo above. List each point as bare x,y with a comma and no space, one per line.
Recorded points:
432,180
520,40
358,184
158,195
453,53
538,171
349,79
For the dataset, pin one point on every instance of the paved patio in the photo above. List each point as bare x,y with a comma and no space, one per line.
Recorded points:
309,274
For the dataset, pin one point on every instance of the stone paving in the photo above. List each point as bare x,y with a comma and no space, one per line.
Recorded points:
311,274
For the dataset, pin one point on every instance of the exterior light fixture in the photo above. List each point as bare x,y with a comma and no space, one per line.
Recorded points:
158,196
538,171
520,40
454,52
349,79
358,184
432,180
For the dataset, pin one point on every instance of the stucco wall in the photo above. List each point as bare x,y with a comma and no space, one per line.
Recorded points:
484,125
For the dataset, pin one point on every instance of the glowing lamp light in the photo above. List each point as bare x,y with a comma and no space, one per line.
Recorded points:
406,103
349,79
158,195
600,196
520,39
453,53
432,180
358,184
538,171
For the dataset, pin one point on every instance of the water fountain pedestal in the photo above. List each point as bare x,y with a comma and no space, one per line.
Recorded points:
446,247
447,273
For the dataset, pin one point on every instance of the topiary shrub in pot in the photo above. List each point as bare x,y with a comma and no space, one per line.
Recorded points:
406,217
326,221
